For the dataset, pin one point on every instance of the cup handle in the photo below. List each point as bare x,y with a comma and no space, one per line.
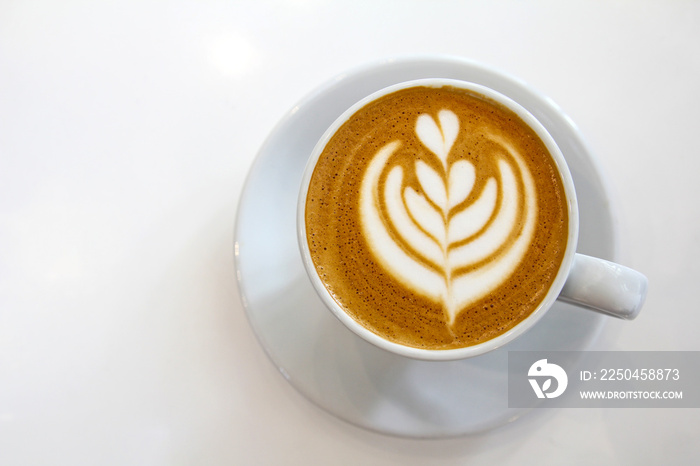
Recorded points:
605,287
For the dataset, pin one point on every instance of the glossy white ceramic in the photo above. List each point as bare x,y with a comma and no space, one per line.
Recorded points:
330,365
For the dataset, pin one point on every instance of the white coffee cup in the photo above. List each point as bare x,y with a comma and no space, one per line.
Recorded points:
585,281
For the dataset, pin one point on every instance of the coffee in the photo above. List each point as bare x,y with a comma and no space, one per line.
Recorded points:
436,218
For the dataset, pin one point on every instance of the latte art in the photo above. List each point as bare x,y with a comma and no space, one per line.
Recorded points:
444,241
436,218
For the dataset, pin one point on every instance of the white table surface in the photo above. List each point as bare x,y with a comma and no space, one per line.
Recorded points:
126,132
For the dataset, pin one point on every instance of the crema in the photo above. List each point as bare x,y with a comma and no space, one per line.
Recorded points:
436,218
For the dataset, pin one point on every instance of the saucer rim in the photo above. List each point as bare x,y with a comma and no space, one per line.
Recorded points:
364,72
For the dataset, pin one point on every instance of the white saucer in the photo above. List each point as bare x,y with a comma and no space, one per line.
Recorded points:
327,363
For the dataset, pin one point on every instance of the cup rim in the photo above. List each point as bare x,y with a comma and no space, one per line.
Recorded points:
467,351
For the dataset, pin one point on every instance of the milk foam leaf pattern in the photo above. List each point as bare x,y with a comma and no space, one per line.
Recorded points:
394,257
472,219
461,181
414,235
432,184
444,241
439,139
427,217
